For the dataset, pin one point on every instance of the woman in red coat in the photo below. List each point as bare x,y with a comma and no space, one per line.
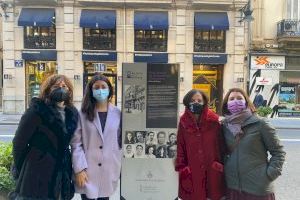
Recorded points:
199,151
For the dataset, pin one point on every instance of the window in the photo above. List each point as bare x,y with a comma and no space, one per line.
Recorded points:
293,10
209,41
293,63
151,40
35,73
99,39
39,37
289,94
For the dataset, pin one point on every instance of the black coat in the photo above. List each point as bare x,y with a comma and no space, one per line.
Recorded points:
41,152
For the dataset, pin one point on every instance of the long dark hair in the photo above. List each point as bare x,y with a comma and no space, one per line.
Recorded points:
89,102
52,80
249,103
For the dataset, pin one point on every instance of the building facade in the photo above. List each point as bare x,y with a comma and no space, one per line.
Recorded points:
275,56
81,37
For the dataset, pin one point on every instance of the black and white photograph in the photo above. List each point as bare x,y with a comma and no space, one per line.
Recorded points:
161,152
140,137
161,138
129,151
129,137
151,138
135,97
150,151
172,139
139,151
172,151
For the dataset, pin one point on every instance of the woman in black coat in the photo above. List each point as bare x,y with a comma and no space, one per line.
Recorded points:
41,144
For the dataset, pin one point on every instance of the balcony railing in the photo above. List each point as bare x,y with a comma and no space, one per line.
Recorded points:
150,45
209,46
99,43
289,28
39,42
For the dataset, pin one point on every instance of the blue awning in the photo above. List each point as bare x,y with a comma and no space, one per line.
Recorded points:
210,58
211,21
99,56
44,17
151,20
151,57
103,19
45,55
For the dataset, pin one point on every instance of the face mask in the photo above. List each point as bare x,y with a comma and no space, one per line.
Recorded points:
236,106
101,94
196,107
59,95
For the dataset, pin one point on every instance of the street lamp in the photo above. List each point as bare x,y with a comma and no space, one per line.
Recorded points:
4,6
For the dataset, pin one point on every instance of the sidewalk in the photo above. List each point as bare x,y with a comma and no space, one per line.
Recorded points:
9,119
280,123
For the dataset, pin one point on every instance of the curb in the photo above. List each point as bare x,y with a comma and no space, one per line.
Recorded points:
9,123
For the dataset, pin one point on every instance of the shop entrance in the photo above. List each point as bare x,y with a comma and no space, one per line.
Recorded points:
35,73
209,78
90,69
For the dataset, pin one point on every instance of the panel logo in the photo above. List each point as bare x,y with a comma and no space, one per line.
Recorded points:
262,60
268,62
134,75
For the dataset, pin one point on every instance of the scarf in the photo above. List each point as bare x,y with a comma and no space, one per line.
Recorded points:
234,121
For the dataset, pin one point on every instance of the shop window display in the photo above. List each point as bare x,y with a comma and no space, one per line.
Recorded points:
36,73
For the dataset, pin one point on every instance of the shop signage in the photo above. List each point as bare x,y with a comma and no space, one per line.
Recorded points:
44,55
268,62
288,105
99,67
151,57
18,63
7,76
264,81
99,56
210,58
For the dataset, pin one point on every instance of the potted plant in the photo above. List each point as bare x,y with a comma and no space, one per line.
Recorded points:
264,111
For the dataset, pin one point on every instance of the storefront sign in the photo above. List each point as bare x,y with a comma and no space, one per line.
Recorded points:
210,58
44,55
18,63
150,111
264,81
7,76
99,56
151,57
99,67
268,62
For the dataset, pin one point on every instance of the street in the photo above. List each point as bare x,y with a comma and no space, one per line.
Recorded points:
287,186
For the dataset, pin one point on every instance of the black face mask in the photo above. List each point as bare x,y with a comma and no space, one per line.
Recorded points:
196,107
59,95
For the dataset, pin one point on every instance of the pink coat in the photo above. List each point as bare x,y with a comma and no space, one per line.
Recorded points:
99,153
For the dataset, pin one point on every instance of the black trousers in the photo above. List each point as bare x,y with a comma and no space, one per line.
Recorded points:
83,197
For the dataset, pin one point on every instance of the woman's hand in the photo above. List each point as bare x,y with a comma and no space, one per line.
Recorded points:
81,178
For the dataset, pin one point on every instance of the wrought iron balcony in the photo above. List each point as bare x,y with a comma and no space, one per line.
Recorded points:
209,46
288,34
99,43
39,42
289,28
150,45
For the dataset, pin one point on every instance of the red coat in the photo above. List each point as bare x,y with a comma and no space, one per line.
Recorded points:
198,159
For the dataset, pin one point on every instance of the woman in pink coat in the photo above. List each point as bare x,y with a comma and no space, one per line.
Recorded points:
96,145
